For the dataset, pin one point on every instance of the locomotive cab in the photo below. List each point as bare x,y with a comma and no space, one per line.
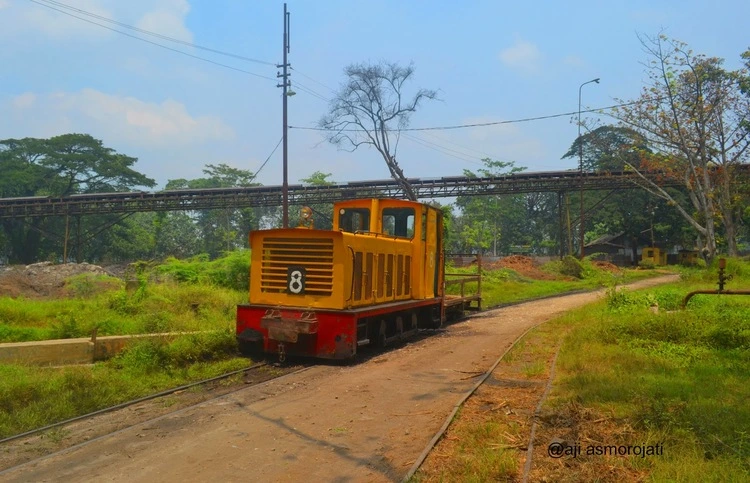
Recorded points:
376,276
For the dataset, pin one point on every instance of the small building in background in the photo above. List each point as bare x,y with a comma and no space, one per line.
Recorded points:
655,255
616,249
687,257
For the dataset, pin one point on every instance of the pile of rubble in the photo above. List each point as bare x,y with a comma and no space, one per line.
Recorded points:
523,266
42,279
610,267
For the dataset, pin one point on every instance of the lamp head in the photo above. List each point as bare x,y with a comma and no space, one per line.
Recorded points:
596,80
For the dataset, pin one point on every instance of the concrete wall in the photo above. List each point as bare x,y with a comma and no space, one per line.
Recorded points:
70,351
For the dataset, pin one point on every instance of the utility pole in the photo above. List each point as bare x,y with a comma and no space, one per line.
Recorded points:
284,85
580,161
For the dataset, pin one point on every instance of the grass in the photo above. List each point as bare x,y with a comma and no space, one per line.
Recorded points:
189,295
682,377
153,308
628,375
34,397
201,294
177,296
504,286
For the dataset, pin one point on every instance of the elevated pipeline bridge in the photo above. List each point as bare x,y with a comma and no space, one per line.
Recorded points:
265,196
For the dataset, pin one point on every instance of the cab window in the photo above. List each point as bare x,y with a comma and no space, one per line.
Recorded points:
354,219
398,222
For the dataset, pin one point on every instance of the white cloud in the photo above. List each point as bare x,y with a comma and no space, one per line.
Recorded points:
574,61
508,142
37,18
168,19
120,118
523,56
24,101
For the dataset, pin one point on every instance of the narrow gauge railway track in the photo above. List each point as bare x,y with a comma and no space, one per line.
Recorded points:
27,447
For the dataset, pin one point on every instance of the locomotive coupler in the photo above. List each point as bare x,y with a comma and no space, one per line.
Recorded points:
282,352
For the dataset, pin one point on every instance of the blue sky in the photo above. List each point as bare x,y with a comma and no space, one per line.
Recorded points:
489,61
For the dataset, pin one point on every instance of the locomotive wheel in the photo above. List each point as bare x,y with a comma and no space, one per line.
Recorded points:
380,337
435,317
253,350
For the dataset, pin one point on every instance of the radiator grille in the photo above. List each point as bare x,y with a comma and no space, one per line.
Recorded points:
315,254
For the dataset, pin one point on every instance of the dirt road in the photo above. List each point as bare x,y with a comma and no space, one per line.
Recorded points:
366,422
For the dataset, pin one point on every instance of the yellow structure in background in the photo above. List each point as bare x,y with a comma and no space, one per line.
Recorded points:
654,255
687,257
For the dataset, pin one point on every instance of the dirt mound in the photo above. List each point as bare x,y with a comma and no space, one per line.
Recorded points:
607,266
523,266
42,279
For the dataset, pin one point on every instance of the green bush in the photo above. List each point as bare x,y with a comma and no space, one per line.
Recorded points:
623,300
232,270
66,327
86,285
152,355
143,356
571,267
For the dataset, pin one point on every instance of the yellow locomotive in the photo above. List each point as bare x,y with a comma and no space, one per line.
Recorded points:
378,275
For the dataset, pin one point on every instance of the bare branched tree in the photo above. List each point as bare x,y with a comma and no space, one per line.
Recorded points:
370,109
692,115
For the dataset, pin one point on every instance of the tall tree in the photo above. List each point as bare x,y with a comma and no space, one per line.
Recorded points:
84,165
692,114
220,229
608,148
632,212
59,166
372,109
492,223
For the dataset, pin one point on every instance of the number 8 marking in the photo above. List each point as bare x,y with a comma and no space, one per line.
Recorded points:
296,280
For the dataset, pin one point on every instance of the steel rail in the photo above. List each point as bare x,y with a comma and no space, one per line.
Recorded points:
485,375
132,402
151,420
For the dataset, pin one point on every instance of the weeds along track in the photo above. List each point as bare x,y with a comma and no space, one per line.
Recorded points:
25,448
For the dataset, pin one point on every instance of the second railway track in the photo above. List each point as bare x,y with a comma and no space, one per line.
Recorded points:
25,448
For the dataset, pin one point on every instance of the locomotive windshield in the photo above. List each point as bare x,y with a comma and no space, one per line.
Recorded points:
398,222
354,219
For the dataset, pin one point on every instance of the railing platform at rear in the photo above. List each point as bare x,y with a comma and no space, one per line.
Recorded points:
469,296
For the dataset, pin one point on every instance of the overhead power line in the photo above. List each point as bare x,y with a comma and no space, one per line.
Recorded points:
46,5
155,34
269,157
310,91
441,149
310,78
483,124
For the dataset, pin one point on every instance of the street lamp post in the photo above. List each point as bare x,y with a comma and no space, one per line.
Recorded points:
580,158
